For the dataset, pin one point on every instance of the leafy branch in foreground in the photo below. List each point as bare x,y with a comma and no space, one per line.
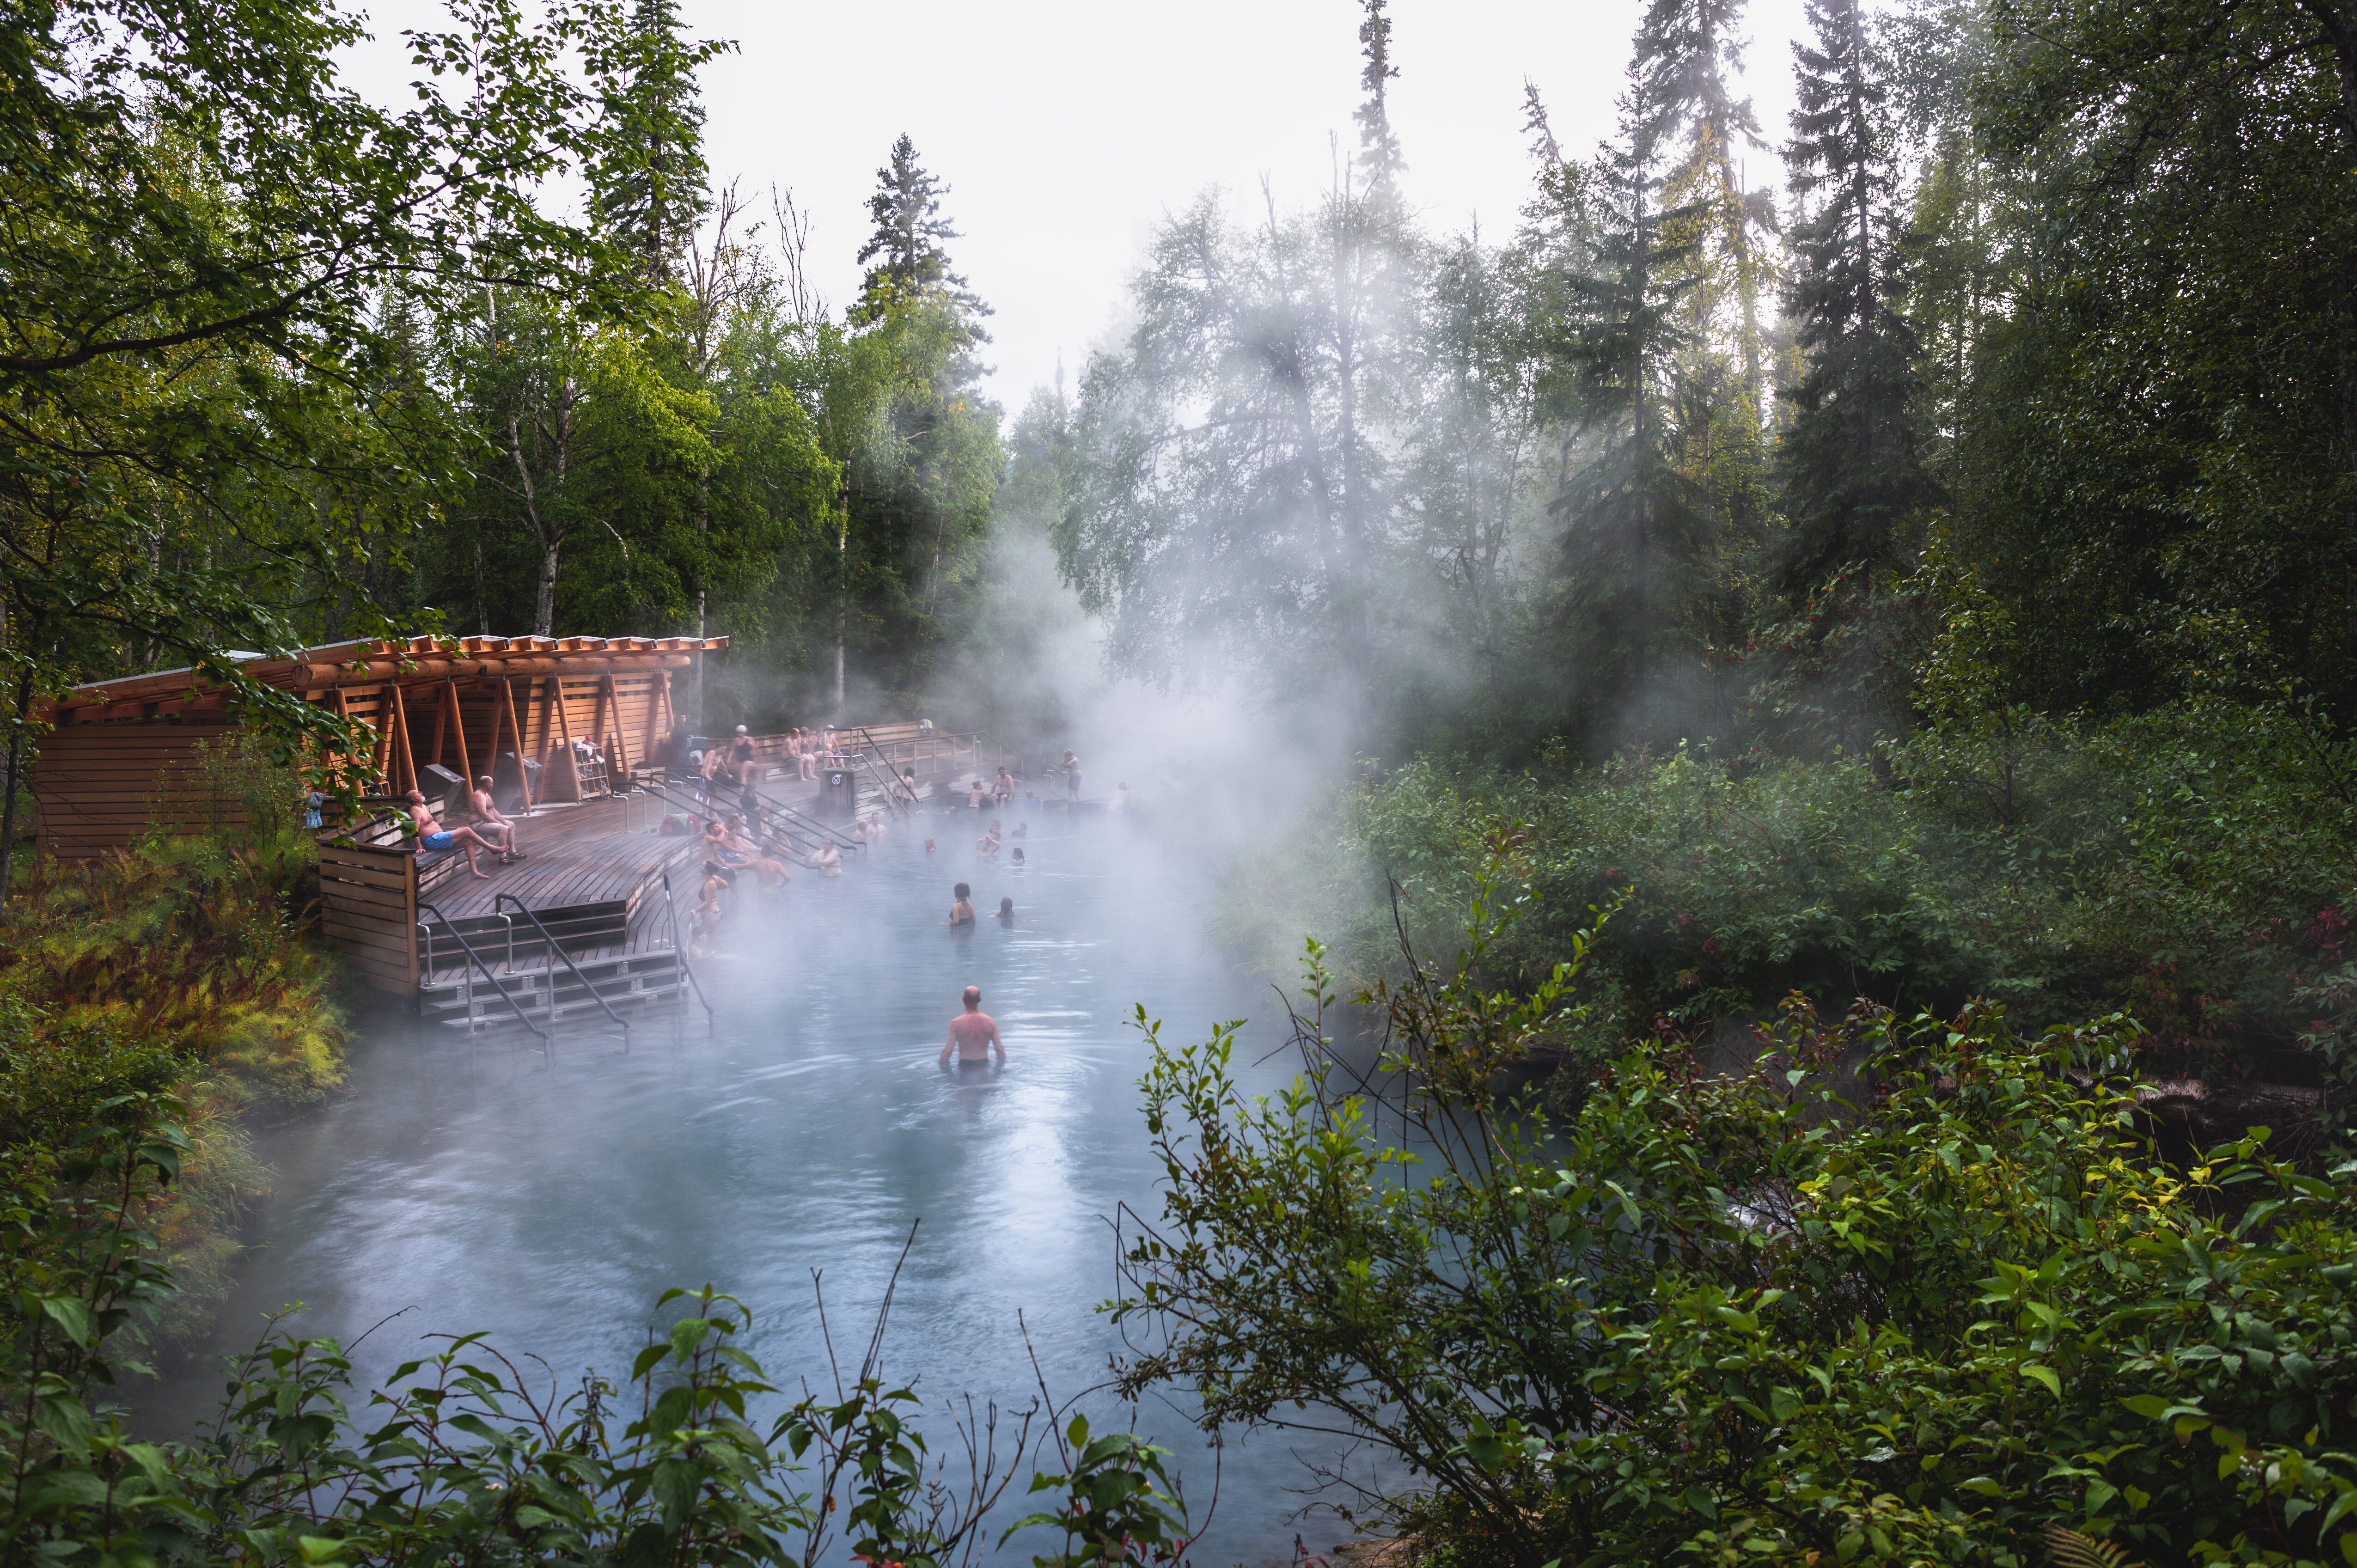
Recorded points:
460,1458
1905,1290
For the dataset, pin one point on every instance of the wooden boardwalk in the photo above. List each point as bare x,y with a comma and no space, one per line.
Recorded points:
573,857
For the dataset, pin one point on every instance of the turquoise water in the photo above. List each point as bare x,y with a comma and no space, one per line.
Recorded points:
549,1198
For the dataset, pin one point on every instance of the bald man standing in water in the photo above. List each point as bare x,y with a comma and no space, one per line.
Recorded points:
973,1035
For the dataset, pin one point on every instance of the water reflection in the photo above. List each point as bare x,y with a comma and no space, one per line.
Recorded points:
548,1197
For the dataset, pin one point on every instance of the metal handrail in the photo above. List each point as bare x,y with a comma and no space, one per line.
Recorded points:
891,782
478,959
680,953
548,936
809,825
804,820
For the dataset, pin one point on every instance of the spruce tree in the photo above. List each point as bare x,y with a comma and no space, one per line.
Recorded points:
1379,149
1636,546
648,185
1852,465
1688,127
907,253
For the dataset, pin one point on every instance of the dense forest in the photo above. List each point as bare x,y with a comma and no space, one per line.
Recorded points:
1859,669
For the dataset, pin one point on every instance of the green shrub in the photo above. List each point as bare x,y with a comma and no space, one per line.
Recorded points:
2189,867
1908,1290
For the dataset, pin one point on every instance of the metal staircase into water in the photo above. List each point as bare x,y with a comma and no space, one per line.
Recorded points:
546,995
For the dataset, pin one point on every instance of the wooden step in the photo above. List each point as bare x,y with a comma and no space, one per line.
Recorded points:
548,997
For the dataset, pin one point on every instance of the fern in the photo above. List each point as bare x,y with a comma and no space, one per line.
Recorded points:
2070,1549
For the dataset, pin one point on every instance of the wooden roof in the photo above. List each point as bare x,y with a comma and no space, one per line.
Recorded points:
371,663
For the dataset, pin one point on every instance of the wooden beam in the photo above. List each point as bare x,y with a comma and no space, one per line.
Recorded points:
564,735
523,747
400,733
458,722
618,755
492,749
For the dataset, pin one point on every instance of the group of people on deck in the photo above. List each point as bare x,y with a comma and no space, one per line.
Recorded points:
490,831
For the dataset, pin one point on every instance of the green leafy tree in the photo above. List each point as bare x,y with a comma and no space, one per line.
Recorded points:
1927,1312
201,219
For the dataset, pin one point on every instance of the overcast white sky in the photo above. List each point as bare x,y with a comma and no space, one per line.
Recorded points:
1066,128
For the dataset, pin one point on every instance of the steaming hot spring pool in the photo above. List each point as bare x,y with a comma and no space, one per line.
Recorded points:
550,1198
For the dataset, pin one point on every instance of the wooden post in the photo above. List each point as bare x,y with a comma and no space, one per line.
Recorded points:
618,757
441,722
458,722
662,707
523,747
400,730
572,769
492,751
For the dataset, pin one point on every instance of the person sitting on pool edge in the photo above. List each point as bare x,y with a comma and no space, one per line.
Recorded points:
961,909
973,1035
432,836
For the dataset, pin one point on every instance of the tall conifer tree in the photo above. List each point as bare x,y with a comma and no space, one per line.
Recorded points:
1851,461
1636,544
1379,148
651,188
908,252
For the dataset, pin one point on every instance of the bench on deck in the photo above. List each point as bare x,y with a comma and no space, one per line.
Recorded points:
434,866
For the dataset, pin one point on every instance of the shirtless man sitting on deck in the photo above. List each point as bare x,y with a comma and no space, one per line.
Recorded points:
432,836
973,1035
489,822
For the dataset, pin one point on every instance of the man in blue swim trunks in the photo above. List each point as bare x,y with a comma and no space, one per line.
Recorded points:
432,836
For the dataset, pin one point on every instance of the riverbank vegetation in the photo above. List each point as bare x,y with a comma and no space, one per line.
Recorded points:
1928,580
1927,584
186,964
1915,1290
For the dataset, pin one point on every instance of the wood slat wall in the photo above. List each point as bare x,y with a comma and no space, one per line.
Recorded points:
99,787
368,911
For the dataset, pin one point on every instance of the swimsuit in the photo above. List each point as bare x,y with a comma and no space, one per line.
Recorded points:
437,841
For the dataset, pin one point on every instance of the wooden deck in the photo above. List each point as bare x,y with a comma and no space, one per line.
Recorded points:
573,857
595,885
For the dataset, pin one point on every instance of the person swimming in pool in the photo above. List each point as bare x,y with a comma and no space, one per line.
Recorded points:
973,1035
1018,858
829,860
1005,911
988,844
962,910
